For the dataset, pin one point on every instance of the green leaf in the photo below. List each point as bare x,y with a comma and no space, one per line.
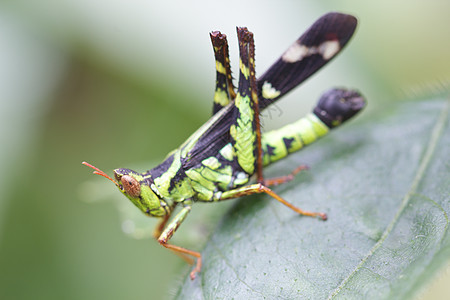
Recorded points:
384,183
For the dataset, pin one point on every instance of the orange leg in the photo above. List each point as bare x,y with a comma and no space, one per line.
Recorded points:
260,188
167,234
180,250
286,178
157,233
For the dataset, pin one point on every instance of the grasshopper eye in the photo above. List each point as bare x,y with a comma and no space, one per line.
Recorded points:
131,186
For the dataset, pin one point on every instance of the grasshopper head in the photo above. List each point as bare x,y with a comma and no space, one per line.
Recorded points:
338,105
136,188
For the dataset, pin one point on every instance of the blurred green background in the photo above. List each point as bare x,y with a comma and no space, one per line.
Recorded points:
121,83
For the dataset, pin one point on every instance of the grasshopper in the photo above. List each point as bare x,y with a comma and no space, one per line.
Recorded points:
217,162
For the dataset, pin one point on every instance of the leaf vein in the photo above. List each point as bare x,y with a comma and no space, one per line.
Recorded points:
232,268
436,133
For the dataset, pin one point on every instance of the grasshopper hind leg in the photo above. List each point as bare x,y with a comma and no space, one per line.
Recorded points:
246,132
225,91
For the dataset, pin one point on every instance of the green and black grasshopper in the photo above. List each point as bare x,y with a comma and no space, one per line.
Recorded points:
219,159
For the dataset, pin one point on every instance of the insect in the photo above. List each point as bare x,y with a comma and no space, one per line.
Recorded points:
217,162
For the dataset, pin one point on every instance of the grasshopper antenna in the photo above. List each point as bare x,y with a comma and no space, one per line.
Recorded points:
99,172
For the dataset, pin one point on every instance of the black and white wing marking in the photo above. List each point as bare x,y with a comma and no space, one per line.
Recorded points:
317,46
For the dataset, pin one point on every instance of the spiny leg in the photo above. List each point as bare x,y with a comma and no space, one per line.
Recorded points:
260,188
254,96
245,131
224,93
167,234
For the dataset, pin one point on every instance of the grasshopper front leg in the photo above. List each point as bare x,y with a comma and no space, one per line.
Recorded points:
167,234
162,224
159,229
